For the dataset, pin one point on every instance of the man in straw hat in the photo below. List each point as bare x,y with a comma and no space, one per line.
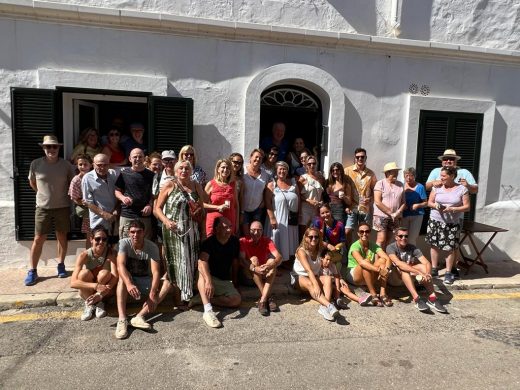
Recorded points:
449,159
50,177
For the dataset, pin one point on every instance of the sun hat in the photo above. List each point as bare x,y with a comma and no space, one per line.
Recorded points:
391,166
449,153
50,140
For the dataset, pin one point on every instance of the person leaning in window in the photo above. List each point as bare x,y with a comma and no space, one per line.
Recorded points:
416,201
116,155
49,177
368,264
88,144
448,204
305,275
95,274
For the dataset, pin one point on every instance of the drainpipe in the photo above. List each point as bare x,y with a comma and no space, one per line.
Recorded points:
395,18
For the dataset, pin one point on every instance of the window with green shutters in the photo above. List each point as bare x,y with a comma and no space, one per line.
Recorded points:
440,130
37,112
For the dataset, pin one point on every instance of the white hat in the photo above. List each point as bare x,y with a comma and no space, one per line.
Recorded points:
168,154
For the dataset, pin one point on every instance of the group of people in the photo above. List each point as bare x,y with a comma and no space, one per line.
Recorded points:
280,210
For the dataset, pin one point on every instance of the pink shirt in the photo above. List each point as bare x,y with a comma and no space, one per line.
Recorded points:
392,196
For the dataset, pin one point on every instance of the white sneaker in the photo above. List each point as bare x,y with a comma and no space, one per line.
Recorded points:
333,311
211,319
139,322
88,312
121,329
325,313
100,310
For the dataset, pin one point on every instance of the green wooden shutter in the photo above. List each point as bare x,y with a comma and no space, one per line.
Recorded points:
170,123
33,116
440,130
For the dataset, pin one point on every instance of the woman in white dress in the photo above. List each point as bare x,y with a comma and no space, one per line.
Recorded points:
282,200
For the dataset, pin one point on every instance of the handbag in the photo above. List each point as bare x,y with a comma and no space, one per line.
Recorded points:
81,211
196,211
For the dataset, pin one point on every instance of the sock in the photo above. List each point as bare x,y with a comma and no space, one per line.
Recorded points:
416,299
208,307
432,298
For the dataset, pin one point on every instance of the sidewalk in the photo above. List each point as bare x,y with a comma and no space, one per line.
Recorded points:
52,291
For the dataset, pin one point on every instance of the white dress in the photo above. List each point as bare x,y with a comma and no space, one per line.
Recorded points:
286,236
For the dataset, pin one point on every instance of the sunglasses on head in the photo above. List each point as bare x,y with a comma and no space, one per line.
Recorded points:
100,239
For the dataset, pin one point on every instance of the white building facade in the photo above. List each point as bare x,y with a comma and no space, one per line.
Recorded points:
403,79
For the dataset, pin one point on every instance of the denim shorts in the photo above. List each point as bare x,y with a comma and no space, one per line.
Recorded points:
355,218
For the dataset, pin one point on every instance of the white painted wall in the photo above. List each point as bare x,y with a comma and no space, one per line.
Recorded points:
217,73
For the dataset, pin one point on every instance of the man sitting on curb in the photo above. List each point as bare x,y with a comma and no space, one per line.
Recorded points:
218,269
412,264
139,268
260,255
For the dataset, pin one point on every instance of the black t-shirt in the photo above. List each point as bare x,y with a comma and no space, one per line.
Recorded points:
138,186
221,256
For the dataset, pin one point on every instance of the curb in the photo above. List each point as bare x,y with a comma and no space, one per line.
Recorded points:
72,299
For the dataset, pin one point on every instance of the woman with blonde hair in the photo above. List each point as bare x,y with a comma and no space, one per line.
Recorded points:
198,175
88,144
222,195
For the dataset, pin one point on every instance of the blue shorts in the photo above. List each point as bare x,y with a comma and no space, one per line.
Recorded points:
355,218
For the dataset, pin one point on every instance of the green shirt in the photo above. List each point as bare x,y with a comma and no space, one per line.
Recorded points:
357,246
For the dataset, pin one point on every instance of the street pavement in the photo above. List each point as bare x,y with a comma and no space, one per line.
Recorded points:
476,345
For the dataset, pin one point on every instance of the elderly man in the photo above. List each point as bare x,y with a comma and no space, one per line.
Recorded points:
139,268
259,254
49,177
412,265
98,187
449,159
218,268
363,181
136,140
276,139
134,190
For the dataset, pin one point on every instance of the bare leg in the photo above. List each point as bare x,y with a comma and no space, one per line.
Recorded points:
36,249
449,261
381,239
326,282
306,285
434,254
86,276
62,245
122,295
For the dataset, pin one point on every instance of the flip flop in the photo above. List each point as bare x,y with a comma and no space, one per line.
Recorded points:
386,301
377,302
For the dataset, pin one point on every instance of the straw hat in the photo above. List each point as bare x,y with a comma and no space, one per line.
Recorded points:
449,153
50,140
391,166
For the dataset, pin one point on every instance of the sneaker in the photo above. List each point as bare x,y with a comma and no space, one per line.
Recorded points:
434,272
122,329
31,278
437,305
365,299
333,311
341,303
448,278
88,312
262,308
139,322
325,313
420,304
100,310
62,273
211,319
455,273
272,305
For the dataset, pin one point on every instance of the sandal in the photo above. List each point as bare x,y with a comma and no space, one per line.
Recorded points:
386,301
376,301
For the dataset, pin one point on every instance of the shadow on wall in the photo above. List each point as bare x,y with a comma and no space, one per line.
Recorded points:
353,133
360,14
219,147
416,19
496,159
172,91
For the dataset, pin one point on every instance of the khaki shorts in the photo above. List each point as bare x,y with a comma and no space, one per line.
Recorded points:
44,218
223,287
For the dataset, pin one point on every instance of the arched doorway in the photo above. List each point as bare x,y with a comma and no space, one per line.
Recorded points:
299,109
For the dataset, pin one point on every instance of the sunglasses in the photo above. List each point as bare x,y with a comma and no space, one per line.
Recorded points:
360,157
311,164
100,239
237,162
188,154
402,236
449,159
313,237
167,160
273,154
364,232
50,146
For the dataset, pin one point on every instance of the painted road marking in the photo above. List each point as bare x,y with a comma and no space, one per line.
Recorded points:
57,315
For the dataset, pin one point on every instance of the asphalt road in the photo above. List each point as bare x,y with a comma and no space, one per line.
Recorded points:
476,345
